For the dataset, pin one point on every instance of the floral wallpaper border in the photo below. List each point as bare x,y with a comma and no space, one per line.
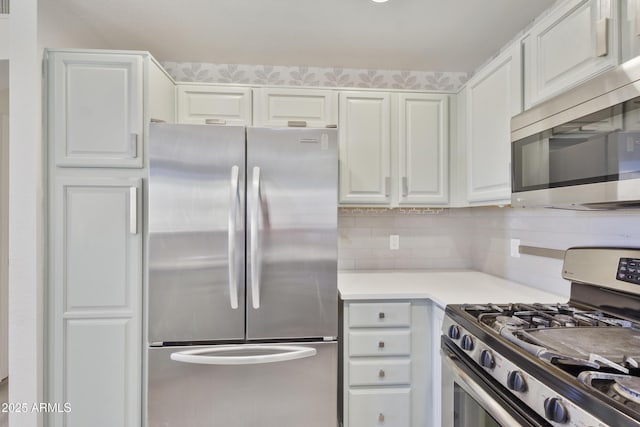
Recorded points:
371,211
315,76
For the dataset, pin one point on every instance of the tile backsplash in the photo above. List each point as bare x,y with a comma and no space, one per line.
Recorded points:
479,238
428,239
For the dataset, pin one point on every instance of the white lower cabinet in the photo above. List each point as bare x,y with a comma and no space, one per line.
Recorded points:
389,407
95,293
437,316
386,364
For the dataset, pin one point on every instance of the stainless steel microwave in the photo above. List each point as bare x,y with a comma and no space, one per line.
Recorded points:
581,150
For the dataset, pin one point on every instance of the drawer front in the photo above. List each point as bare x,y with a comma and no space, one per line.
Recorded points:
379,372
380,408
379,315
380,343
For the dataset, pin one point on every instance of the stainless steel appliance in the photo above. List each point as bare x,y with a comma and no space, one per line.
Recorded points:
242,298
566,364
581,150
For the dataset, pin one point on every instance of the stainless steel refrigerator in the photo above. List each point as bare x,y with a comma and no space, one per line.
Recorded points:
242,294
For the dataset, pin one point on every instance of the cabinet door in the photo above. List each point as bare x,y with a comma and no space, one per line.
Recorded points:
95,109
629,29
493,96
574,42
199,104
423,147
365,155
277,107
4,245
436,382
95,297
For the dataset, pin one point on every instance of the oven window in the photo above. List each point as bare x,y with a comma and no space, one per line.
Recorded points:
603,146
468,412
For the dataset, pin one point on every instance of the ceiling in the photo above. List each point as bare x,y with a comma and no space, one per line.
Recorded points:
428,35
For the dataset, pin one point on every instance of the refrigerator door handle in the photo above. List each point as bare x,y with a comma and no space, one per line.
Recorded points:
265,354
255,250
233,213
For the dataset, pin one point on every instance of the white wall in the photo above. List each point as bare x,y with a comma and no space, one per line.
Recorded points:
25,215
55,32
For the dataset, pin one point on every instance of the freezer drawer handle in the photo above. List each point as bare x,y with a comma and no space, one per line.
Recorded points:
255,250
207,356
233,213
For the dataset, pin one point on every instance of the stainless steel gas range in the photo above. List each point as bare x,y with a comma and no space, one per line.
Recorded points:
566,364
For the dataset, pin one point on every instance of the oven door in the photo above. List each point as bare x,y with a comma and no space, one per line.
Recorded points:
471,398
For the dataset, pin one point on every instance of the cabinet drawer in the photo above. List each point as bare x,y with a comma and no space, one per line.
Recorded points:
380,408
379,372
380,343
379,315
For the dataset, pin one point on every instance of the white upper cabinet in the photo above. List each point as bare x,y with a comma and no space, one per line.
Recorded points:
365,150
276,107
199,104
96,109
574,42
4,36
630,29
161,94
394,148
422,149
492,96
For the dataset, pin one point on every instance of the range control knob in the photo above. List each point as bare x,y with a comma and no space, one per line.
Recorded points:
467,342
487,360
516,382
555,410
454,332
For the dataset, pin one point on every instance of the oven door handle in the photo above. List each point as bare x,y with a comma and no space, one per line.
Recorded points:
487,402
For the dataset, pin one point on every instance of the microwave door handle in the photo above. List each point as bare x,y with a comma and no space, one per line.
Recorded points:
208,356
254,238
233,213
476,391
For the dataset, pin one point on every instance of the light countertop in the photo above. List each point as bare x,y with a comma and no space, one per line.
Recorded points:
442,287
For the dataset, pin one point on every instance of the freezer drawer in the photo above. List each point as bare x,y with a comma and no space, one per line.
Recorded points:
289,393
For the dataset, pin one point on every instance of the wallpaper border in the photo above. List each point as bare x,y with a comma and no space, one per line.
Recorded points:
275,75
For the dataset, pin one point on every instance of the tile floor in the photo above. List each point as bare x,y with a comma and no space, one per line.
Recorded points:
4,396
